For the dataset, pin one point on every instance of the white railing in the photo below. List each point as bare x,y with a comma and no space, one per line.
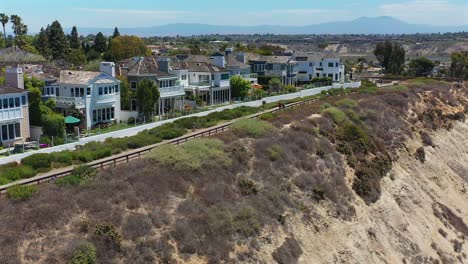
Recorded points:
107,98
77,101
172,91
250,76
276,72
11,114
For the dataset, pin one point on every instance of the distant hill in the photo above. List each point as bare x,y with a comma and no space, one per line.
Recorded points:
363,25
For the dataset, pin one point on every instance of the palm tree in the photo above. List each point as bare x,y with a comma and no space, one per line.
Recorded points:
19,29
4,20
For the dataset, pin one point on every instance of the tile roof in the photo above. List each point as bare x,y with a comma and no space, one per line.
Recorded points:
5,89
78,77
144,66
231,61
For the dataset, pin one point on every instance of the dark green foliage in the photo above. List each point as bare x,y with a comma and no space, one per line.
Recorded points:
147,95
368,176
247,187
85,253
85,156
275,152
38,161
110,233
356,137
53,125
100,43
421,67
391,56
239,87
167,131
75,42
267,116
21,192
79,176
64,158
58,44
14,173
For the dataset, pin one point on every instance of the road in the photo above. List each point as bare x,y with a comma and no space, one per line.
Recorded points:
135,130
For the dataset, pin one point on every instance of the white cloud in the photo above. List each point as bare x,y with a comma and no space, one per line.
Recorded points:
434,12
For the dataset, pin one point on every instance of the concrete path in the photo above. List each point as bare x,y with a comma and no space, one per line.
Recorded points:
135,130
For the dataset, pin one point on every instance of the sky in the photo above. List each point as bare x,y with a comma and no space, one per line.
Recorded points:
146,13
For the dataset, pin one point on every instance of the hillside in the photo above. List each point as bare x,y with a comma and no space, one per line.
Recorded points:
377,176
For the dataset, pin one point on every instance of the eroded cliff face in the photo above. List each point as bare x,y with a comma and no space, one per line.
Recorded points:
420,217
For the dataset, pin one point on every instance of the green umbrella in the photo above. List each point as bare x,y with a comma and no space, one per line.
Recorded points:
71,120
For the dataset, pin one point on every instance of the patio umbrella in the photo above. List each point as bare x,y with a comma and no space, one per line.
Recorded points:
71,120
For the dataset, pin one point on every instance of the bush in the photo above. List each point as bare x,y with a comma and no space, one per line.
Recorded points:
251,127
21,192
267,116
290,89
167,131
110,233
85,156
39,161
420,154
247,187
346,102
275,152
192,155
15,173
356,137
64,157
336,114
368,176
79,176
84,254
289,252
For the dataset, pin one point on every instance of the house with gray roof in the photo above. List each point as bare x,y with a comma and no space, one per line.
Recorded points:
318,65
95,94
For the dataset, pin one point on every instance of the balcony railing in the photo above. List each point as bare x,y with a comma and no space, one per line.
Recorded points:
69,101
250,76
276,72
172,91
199,83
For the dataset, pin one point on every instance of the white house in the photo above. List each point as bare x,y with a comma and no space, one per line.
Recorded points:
95,94
317,65
14,113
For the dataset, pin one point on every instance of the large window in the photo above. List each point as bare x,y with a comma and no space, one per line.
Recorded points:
103,115
133,85
183,77
100,90
10,131
330,64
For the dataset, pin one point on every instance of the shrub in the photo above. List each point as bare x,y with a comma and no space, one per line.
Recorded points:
290,89
15,173
267,116
368,176
110,233
85,156
336,114
288,253
21,192
79,176
38,161
275,152
167,131
356,136
247,187
192,155
346,102
254,128
64,157
420,154
84,254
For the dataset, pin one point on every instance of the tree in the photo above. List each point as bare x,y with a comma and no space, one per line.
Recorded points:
19,29
125,93
4,20
124,47
100,43
147,95
116,33
76,57
421,67
58,43
42,43
75,39
275,85
239,87
459,66
391,56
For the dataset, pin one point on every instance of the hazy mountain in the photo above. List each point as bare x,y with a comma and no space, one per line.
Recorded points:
363,25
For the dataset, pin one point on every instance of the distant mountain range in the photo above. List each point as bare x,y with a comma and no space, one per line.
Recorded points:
363,25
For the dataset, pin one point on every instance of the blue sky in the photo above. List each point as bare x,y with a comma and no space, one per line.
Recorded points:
136,13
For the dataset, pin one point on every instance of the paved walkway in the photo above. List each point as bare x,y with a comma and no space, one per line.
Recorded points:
135,130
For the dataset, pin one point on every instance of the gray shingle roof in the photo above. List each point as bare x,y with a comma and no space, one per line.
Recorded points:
78,77
5,89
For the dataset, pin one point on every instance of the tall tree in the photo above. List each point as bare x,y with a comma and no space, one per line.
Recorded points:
239,87
100,43
459,66
124,47
147,95
391,56
4,20
75,39
19,29
116,33
57,41
421,67
42,43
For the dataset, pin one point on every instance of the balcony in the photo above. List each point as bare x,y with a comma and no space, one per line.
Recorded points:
172,91
106,98
276,72
250,76
200,84
63,101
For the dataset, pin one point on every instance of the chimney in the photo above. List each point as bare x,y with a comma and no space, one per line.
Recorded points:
14,77
164,64
229,51
108,67
241,57
219,60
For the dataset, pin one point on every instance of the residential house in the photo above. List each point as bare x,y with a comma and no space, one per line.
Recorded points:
158,70
283,67
14,111
318,65
95,94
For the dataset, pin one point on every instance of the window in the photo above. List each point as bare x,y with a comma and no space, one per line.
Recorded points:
11,131
116,88
311,64
105,90
183,77
112,113
99,115
133,85
103,114
12,103
88,91
321,64
72,92
100,90
330,64
336,76
5,103
94,116
57,91
133,104
225,76
23,100
17,130
17,102
77,92
51,90
336,64
4,132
